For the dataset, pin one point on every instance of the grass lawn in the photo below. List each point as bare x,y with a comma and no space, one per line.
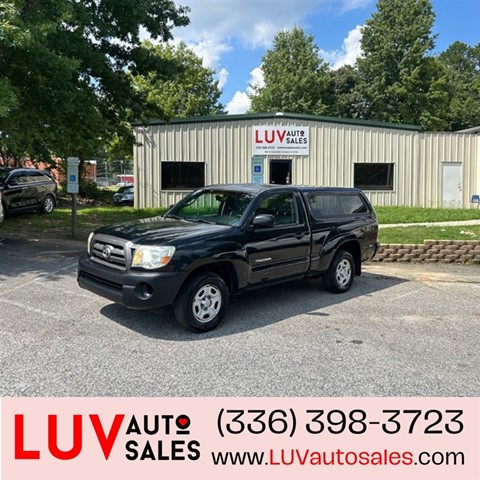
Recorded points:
419,234
389,215
59,224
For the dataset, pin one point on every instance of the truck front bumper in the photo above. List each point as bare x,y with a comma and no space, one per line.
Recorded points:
139,290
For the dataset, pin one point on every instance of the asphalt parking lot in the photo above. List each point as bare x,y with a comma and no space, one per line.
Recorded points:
403,330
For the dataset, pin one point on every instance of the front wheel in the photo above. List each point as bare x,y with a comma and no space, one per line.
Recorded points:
48,204
340,274
201,304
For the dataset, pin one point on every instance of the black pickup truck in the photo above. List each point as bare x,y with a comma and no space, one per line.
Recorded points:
226,239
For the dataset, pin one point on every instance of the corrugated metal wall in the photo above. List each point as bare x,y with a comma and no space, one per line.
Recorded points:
226,149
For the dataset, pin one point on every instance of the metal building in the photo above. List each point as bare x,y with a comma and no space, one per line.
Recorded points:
394,164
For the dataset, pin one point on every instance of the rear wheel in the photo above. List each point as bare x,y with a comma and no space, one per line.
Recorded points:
340,275
48,204
201,304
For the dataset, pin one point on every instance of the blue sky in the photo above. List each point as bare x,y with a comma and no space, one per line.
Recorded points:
232,35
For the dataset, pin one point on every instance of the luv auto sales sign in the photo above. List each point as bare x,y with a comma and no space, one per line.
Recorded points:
274,140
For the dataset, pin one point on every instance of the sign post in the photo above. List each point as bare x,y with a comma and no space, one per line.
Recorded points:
72,188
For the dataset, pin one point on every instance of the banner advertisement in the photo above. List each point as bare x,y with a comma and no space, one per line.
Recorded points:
238,438
281,140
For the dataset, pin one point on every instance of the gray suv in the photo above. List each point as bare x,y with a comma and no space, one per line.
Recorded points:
24,189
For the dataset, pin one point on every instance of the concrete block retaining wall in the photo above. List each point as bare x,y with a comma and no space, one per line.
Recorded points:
432,251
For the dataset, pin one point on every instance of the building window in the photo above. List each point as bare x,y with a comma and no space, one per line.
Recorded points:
182,175
373,176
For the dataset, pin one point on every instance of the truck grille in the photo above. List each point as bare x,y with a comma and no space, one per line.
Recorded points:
109,251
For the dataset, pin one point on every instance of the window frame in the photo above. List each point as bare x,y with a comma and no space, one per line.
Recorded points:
338,196
388,186
189,184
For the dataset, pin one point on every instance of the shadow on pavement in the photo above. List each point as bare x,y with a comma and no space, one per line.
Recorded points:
252,310
49,259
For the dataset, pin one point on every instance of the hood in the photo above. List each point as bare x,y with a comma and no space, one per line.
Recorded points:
158,230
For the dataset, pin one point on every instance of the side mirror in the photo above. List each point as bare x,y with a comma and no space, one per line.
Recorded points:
12,183
264,221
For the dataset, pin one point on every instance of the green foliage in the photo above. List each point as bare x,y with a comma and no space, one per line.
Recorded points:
8,97
89,189
296,78
65,65
399,81
347,100
191,90
462,77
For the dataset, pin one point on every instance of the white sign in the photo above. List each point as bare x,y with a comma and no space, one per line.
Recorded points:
72,174
281,140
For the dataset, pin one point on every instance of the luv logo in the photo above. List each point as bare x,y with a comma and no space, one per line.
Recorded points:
106,439
163,429
270,136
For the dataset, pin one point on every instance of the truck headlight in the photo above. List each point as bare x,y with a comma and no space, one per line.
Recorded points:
151,257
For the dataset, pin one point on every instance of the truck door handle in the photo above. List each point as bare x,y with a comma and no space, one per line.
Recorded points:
299,235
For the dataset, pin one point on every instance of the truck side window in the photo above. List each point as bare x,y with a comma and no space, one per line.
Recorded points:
332,204
282,206
352,204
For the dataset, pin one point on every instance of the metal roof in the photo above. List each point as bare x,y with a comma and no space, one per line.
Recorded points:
270,116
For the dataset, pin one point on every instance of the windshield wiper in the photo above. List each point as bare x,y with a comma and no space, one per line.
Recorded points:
199,220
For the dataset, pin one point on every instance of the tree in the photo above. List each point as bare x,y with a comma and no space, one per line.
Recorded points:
462,73
296,78
7,97
191,90
400,82
347,99
65,65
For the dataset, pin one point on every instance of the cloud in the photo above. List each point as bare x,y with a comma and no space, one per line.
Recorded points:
240,103
256,79
251,22
348,53
222,77
210,50
348,5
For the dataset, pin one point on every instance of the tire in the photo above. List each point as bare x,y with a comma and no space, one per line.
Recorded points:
48,204
340,274
202,302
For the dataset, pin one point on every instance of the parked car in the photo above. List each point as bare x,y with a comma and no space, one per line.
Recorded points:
124,196
25,189
228,239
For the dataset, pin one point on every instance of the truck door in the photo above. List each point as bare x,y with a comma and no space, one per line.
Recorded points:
281,251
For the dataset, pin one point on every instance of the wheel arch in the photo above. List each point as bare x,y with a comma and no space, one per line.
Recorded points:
353,247
223,269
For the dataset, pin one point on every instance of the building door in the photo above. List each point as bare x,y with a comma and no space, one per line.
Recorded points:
281,172
452,184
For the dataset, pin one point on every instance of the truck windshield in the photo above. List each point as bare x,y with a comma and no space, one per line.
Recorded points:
211,206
